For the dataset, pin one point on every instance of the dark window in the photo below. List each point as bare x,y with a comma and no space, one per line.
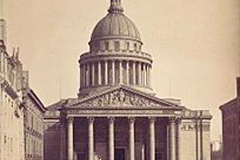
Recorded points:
81,156
117,45
127,45
135,46
120,154
158,156
107,45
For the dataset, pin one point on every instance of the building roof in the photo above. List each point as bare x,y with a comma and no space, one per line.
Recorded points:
228,104
36,100
115,24
123,92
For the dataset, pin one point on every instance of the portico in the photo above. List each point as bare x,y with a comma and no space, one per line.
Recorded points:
103,129
148,139
117,115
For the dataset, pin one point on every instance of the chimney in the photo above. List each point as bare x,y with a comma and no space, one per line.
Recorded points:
238,86
1,9
2,30
2,23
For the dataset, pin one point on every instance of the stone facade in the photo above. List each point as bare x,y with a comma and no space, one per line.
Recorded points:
231,126
117,116
21,111
33,126
11,113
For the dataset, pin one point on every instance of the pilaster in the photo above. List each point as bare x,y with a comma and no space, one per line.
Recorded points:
152,137
70,138
111,137
90,138
131,121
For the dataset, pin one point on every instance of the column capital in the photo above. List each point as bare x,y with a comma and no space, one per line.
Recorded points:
152,119
111,119
90,119
197,120
131,119
172,120
70,119
178,120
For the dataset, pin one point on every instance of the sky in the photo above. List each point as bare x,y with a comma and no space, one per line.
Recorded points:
194,44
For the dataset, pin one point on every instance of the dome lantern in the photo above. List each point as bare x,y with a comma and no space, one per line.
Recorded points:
115,56
115,6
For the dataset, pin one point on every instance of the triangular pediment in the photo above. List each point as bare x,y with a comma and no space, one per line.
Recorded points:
123,96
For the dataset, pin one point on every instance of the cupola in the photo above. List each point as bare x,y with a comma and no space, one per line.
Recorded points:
115,56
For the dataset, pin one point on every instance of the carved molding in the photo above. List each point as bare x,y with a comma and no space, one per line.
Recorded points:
111,119
172,120
188,127
117,112
120,98
178,120
152,119
90,119
193,127
70,120
131,119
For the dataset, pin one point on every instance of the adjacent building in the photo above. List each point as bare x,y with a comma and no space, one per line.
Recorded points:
216,150
33,126
117,115
21,111
11,115
231,127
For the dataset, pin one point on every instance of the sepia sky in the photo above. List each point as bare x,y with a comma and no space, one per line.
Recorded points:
194,44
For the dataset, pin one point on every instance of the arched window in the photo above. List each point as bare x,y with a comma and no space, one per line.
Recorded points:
106,45
135,46
117,45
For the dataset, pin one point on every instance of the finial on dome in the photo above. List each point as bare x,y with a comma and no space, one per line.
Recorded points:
115,6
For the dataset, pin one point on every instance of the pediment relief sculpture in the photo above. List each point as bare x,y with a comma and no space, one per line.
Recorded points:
122,98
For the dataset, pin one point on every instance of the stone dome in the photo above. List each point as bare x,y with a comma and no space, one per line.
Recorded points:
115,24
115,55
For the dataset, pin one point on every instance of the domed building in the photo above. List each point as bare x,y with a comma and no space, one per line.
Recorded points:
116,115
115,57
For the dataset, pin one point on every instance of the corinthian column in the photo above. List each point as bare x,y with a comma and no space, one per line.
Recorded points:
111,137
147,75
90,138
99,73
152,137
178,142
106,72
172,138
120,73
139,74
63,139
88,75
70,138
131,138
127,72
113,72
93,74
134,72
83,75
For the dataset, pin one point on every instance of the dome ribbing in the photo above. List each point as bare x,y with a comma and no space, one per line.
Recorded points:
115,24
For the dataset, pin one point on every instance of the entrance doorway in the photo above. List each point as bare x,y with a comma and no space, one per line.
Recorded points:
81,156
120,154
